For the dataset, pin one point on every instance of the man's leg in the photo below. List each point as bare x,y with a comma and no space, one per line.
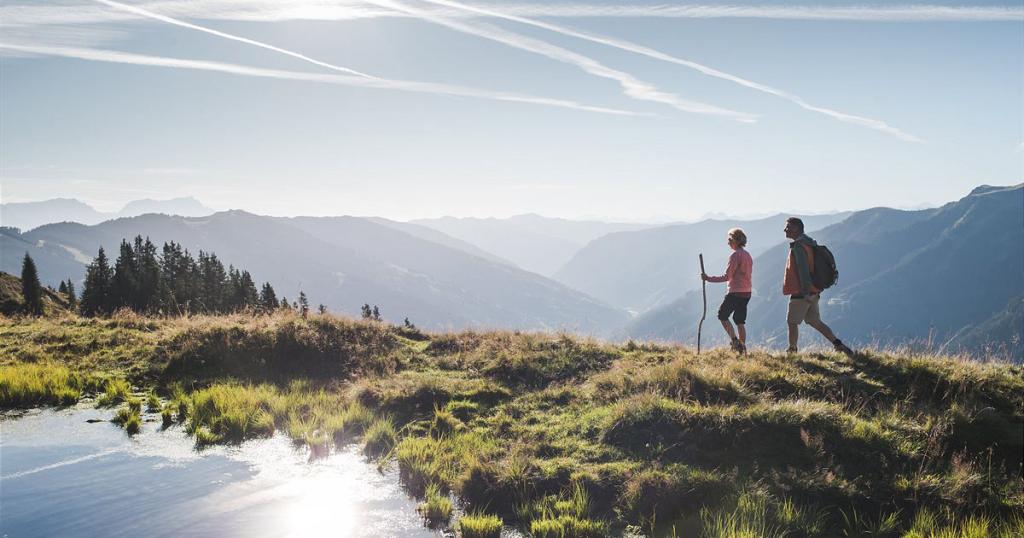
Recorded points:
742,329
794,316
814,320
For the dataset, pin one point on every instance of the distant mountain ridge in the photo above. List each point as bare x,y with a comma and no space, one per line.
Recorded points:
533,242
642,269
950,278
29,215
341,262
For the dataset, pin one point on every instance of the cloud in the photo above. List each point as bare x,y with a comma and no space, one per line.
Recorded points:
275,10
631,86
877,125
176,22
98,55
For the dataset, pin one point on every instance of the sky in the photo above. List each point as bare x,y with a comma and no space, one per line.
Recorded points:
422,108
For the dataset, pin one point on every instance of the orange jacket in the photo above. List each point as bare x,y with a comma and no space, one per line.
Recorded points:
791,281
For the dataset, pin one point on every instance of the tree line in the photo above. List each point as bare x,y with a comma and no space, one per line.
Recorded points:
166,281
171,282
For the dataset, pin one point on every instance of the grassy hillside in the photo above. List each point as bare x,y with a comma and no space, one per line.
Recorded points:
12,302
565,436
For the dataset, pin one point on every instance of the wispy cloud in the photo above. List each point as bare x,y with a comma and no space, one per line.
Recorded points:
271,10
631,86
98,55
652,53
225,35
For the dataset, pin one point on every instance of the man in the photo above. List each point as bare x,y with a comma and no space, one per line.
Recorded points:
803,296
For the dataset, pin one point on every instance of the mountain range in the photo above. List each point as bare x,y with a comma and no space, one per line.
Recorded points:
341,262
949,278
28,215
642,269
533,242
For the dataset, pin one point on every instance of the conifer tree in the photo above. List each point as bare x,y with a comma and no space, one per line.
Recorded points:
268,299
31,289
69,291
96,290
367,313
285,305
63,288
376,313
124,287
303,304
321,309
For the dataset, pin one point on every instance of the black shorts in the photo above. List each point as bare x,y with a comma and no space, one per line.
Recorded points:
736,306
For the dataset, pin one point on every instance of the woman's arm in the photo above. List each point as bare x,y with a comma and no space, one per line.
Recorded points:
729,271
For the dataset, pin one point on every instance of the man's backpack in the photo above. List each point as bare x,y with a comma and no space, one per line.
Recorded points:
825,274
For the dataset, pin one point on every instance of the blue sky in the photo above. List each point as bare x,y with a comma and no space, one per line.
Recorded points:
499,108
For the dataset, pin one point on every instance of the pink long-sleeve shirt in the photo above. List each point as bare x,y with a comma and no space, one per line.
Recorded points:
739,272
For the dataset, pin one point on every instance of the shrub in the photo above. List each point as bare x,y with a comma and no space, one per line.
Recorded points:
480,525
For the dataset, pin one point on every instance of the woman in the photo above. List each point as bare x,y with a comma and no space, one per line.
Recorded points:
738,274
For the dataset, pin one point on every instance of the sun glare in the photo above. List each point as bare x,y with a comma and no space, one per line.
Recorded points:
322,508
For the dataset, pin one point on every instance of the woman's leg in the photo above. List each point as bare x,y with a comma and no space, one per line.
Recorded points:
728,329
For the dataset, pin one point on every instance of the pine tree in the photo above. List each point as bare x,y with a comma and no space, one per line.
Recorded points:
285,305
63,288
268,299
72,298
124,287
303,304
367,313
376,313
321,309
96,298
31,289
147,277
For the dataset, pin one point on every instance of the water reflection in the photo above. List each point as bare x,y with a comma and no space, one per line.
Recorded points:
60,475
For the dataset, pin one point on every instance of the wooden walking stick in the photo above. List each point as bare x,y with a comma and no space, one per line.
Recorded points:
704,292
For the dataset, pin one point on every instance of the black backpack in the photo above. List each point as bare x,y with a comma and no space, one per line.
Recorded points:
825,274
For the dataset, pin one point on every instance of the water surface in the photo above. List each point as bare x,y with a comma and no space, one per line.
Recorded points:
63,476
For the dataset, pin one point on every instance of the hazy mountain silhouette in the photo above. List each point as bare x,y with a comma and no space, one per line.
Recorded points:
29,215
341,262
535,243
945,277
642,269
185,207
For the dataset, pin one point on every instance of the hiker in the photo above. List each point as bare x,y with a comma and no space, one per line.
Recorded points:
738,274
798,284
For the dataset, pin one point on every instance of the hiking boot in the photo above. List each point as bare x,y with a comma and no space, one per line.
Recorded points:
738,346
842,348
791,350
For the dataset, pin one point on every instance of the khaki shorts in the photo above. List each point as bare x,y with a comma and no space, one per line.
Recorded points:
803,310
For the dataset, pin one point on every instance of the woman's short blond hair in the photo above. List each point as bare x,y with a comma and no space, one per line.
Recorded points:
737,235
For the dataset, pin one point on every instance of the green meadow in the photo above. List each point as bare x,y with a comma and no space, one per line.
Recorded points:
563,436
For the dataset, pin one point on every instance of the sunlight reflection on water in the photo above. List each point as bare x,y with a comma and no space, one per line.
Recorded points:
60,475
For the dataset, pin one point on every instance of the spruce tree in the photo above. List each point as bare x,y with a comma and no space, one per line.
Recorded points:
96,298
321,309
124,286
367,313
63,288
72,298
268,299
31,289
303,304
376,313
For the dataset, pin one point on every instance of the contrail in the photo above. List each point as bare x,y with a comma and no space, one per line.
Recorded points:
877,125
183,24
631,86
72,461
99,55
269,10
